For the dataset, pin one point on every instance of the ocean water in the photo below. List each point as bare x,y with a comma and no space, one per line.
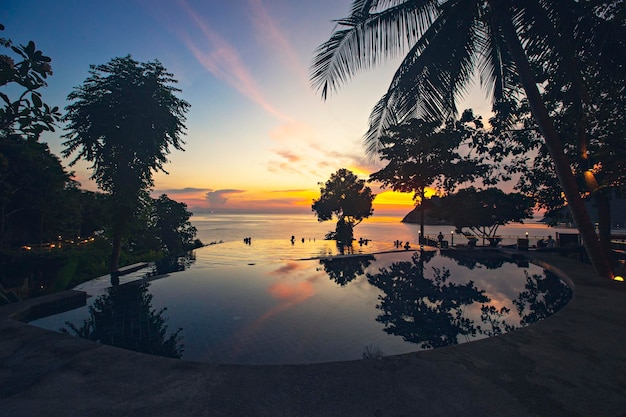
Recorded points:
381,230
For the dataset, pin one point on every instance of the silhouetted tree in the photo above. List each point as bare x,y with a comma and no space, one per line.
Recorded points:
26,116
421,153
348,198
123,119
95,208
482,212
171,220
36,199
32,180
448,42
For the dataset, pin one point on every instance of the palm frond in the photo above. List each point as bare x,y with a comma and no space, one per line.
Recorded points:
433,76
364,39
496,70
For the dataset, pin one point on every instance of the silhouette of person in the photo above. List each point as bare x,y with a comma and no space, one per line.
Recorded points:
550,243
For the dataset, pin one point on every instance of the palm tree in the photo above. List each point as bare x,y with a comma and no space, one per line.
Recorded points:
123,120
450,41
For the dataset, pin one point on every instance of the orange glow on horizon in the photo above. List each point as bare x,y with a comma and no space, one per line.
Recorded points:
397,202
393,198
280,201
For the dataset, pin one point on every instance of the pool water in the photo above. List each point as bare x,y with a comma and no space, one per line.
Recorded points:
266,303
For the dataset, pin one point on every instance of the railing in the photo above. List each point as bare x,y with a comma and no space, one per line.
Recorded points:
618,242
500,240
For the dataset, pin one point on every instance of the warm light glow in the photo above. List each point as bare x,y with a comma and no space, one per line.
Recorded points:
389,201
590,180
386,202
618,278
247,201
389,217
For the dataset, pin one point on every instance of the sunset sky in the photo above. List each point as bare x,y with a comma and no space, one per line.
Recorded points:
259,138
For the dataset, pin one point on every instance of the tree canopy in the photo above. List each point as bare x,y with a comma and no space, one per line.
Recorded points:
35,189
131,111
171,221
123,119
346,197
25,115
35,194
421,154
483,211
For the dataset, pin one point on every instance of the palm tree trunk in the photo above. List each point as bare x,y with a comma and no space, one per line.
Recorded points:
599,258
422,237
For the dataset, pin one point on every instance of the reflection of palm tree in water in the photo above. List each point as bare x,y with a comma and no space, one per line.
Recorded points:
424,310
124,317
344,270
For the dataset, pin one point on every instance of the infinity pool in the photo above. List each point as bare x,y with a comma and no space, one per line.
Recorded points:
263,304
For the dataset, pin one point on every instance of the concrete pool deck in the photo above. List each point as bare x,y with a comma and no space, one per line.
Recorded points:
570,364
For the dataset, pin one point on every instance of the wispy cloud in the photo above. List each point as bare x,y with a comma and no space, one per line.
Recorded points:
272,35
289,155
311,159
222,60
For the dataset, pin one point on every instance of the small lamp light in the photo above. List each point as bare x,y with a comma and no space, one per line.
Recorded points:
590,180
618,278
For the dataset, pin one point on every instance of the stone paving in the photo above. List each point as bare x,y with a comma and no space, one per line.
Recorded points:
570,364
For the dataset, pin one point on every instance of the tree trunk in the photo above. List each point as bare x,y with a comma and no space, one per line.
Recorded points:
115,259
603,205
600,259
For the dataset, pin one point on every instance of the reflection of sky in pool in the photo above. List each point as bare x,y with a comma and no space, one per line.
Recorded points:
239,304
